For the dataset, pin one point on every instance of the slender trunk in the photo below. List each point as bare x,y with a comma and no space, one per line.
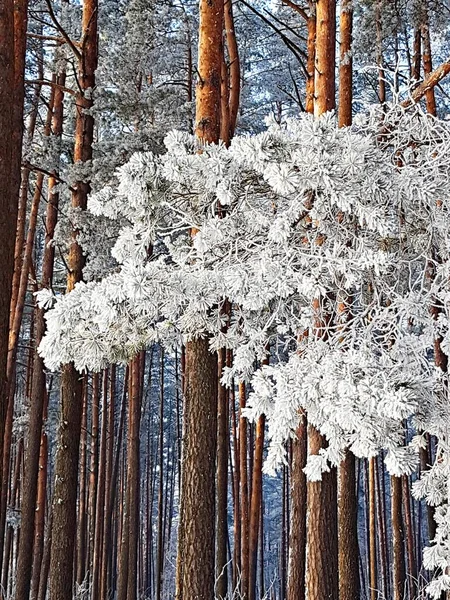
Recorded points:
133,475
106,539
234,66
39,539
311,57
8,202
93,473
322,537
101,496
349,584
430,97
159,550
417,55
13,502
409,535
399,571
82,513
373,579
222,483
236,474
68,441
244,494
379,33
381,515
297,538
255,505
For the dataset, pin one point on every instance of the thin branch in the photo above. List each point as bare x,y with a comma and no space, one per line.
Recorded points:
296,51
61,30
49,83
47,38
298,9
28,165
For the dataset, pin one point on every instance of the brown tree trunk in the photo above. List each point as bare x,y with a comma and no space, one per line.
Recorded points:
68,441
297,538
322,546
82,513
198,473
399,570
381,514
346,65
428,63
373,579
41,501
222,483
349,584
409,535
8,201
133,474
159,550
234,66
236,487
311,58
93,472
255,505
417,55
322,536
106,540
101,496
379,32
195,557
244,494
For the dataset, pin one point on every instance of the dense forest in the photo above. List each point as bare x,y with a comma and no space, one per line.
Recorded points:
224,299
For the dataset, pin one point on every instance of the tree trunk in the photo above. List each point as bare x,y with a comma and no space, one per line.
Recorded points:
8,202
198,473
430,97
255,505
373,579
68,442
234,66
101,496
244,494
322,536
195,557
82,493
349,584
133,474
322,546
222,483
159,550
399,571
297,539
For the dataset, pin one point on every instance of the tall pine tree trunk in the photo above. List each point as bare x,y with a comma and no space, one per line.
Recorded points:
322,535
38,391
195,557
68,440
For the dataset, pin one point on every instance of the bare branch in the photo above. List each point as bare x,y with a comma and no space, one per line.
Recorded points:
62,31
49,83
298,9
429,83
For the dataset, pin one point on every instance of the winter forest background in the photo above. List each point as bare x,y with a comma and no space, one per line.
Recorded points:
224,299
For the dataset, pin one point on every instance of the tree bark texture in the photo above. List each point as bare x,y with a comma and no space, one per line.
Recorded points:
198,473
66,468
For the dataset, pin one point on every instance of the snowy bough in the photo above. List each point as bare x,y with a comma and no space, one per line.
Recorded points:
332,247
